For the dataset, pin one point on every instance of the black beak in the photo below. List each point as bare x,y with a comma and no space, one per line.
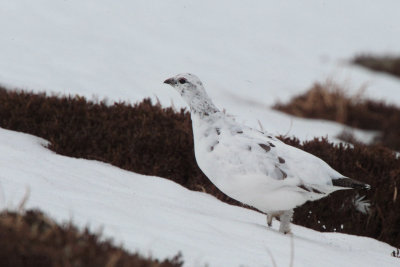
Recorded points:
170,81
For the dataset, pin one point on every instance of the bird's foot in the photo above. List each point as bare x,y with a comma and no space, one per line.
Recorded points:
269,219
272,215
287,232
285,229
285,221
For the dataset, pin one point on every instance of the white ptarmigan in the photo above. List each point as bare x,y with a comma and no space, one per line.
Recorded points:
251,166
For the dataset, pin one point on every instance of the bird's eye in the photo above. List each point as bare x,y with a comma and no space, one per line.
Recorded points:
182,81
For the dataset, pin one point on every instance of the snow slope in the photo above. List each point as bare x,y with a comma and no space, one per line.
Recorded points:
159,217
249,54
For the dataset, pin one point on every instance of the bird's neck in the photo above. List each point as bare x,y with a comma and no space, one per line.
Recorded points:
201,105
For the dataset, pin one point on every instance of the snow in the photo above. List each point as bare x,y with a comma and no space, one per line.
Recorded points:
159,217
248,55
245,53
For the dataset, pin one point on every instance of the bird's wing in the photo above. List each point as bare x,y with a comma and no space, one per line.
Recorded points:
252,151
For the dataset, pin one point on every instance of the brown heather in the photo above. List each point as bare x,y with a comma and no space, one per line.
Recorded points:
330,102
148,139
33,239
387,64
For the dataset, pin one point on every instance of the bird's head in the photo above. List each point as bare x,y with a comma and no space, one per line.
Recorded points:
186,84
192,91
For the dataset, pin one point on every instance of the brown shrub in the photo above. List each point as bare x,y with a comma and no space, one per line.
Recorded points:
32,239
387,64
330,102
148,139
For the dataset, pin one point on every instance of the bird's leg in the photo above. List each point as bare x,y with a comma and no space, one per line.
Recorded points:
271,215
285,218
269,219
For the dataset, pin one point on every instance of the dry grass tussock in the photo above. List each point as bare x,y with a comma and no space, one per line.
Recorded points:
330,101
152,140
33,239
387,64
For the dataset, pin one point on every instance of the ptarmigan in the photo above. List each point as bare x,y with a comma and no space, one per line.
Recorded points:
251,166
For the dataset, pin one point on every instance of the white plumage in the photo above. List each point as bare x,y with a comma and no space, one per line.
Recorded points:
251,166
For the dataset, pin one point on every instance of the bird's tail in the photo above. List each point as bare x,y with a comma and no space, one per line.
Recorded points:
350,183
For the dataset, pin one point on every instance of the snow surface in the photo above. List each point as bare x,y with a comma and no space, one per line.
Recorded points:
159,217
248,54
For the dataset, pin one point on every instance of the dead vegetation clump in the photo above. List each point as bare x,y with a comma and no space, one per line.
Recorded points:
33,239
396,253
148,139
329,101
387,64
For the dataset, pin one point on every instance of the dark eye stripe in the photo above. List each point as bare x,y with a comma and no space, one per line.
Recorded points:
182,80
